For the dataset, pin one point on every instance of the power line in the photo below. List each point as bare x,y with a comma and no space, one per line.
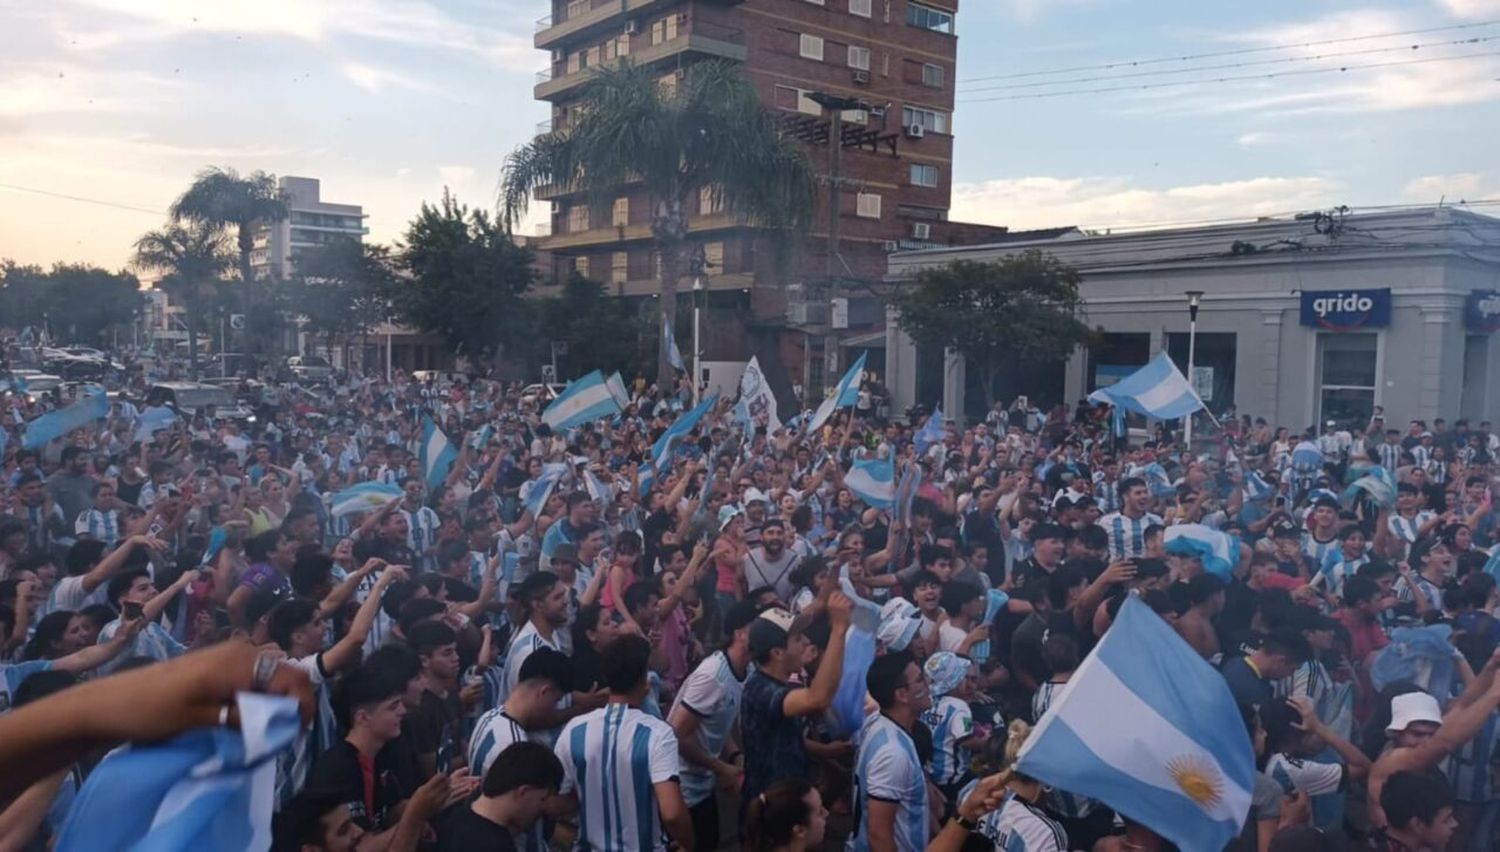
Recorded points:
1192,57
1282,60
82,199
1301,72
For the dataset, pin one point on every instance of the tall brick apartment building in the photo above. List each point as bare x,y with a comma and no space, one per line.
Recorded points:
895,164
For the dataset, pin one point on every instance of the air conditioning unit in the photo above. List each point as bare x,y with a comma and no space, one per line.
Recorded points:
915,131
861,77
890,245
921,230
680,73
630,27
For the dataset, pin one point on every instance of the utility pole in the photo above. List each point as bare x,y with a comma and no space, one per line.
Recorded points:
835,105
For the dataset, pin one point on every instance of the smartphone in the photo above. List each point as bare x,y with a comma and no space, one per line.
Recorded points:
131,610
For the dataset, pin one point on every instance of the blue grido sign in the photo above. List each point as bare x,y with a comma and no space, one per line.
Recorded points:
1482,311
1346,310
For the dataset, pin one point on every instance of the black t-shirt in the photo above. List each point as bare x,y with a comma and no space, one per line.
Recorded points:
338,770
434,726
459,829
393,554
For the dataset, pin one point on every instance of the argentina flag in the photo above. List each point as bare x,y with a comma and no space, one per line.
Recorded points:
211,788
674,355
438,454
363,497
1148,727
932,432
584,400
541,491
845,395
49,427
1156,390
873,481
1219,552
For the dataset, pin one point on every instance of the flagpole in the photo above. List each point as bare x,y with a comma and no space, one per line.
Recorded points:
1194,296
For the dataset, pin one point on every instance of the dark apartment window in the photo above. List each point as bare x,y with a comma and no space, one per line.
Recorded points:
932,75
929,18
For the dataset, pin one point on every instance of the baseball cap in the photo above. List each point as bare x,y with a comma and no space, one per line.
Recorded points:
1411,708
770,630
741,615
899,620
727,514
565,552
755,495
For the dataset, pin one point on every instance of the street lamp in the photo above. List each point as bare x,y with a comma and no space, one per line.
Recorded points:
1193,297
697,347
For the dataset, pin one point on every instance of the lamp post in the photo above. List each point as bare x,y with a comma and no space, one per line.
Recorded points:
697,347
1193,297
389,342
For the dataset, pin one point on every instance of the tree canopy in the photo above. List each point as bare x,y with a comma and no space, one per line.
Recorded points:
76,302
341,287
1021,309
601,332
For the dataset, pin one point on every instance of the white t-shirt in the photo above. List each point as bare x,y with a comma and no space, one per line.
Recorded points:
712,693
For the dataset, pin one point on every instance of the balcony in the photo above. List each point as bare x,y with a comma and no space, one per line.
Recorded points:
577,18
634,232
701,38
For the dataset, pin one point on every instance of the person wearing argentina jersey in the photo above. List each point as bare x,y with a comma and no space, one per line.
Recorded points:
951,679
1018,824
421,526
44,521
704,716
1339,565
622,766
102,521
1320,537
300,627
1410,521
1127,527
1421,583
544,599
890,789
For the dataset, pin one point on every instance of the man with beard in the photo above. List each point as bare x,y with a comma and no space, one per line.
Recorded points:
771,564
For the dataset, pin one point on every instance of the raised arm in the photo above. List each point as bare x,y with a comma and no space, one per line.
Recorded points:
818,696
340,594
347,650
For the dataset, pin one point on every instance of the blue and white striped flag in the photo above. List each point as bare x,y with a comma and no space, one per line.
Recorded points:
1377,483
906,492
1150,729
932,431
1257,487
152,420
598,489
661,451
674,357
481,438
1156,390
584,400
844,395
616,385
211,788
541,492
873,481
49,427
1219,552
364,497
438,454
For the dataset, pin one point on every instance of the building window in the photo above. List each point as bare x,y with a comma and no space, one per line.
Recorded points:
855,116
594,55
577,7
664,30
859,57
797,100
930,119
811,47
668,83
623,45
710,201
867,205
581,266
578,218
932,75
860,8
1214,358
924,175
929,18
620,215
1347,377
619,266
713,258
575,62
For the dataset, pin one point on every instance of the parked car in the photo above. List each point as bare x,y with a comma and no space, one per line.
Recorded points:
191,399
309,368
38,384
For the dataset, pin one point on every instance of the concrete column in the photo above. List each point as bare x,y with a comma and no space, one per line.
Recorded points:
1442,363
954,381
900,365
1266,401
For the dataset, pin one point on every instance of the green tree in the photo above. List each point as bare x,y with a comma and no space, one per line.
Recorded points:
192,261
708,132
77,302
223,199
601,332
1022,309
340,288
465,278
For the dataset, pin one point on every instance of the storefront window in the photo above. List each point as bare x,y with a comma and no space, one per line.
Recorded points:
1346,377
1213,365
1115,357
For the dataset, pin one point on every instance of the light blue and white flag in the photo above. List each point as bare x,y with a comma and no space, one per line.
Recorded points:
1219,552
907,485
584,400
1149,728
661,451
757,405
541,492
49,427
844,395
598,489
616,384
438,454
152,420
674,357
932,432
211,788
873,481
364,497
1377,483
481,438
1156,390
1257,487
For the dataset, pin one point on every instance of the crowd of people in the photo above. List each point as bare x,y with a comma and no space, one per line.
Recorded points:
644,653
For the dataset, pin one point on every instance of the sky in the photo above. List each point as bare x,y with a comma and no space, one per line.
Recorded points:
116,103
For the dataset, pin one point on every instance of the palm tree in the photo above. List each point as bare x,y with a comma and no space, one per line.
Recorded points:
710,131
191,259
221,198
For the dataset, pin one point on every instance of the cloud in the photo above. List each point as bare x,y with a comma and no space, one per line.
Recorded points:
35,89
1460,186
1031,11
1117,202
1470,9
456,175
1257,139
375,79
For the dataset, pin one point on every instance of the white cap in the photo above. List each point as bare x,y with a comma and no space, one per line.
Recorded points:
754,495
1413,707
